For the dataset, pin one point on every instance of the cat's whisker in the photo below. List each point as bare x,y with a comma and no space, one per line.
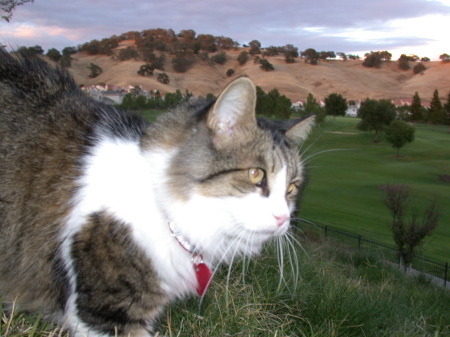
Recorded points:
244,260
296,242
307,159
219,250
300,220
293,257
310,146
280,257
241,237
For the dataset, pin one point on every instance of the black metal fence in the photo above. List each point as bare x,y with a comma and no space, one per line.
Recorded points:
438,271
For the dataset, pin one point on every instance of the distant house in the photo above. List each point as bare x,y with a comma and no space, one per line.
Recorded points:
352,109
112,97
297,105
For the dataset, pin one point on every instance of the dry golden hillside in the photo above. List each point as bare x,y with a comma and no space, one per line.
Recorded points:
296,80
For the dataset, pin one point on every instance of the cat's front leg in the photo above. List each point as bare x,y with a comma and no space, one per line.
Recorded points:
116,291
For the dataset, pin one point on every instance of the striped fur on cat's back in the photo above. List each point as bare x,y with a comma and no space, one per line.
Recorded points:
105,218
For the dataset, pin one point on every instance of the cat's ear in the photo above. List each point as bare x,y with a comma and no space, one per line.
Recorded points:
300,130
233,112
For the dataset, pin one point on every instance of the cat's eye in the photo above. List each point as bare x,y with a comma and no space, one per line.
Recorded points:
291,188
256,176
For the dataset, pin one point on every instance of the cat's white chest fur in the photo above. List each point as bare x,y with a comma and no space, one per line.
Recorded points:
128,184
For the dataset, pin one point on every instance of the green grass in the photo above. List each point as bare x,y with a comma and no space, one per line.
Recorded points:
340,292
344,188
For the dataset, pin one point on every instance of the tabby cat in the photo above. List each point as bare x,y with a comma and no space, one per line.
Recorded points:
105,218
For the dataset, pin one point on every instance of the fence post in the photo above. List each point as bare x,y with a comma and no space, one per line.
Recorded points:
445,274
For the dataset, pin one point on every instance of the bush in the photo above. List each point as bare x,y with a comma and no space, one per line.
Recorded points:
372,61
419,68
230,72
220,58
95,70
403,62
181,64
243,58
266,65
65,61
290,55
128,53
54,54
163,78
204,56
30,51
146,70
158,62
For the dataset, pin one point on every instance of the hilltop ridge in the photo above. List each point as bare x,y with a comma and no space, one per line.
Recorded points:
295,80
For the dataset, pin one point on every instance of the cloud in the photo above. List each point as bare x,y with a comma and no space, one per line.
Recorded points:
319,24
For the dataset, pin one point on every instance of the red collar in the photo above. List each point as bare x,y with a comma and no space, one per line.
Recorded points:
202,271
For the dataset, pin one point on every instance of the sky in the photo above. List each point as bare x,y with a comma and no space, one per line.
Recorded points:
420,27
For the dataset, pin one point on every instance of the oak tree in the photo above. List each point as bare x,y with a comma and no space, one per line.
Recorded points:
399,133
336,105
375,115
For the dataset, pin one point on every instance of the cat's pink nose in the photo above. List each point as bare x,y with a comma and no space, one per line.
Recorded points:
281,219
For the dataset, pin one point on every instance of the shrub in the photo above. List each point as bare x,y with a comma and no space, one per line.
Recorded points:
181,64
220,58
128,53
243,58
54,54
419,68
146,70
403,62
266,65
65,61
95,70
163,78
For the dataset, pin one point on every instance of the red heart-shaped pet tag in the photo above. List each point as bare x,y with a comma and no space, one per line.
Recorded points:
204,275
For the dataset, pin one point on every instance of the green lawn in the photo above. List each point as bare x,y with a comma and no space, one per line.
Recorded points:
340,292
344,188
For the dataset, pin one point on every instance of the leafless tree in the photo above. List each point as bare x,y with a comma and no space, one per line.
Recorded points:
409,231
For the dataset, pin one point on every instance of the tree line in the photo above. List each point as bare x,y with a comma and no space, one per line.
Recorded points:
186,48
136,100
383,116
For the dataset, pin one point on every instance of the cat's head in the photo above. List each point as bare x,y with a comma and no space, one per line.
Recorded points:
234,180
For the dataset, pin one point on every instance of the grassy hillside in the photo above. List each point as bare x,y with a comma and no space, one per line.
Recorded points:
347,170
296,80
